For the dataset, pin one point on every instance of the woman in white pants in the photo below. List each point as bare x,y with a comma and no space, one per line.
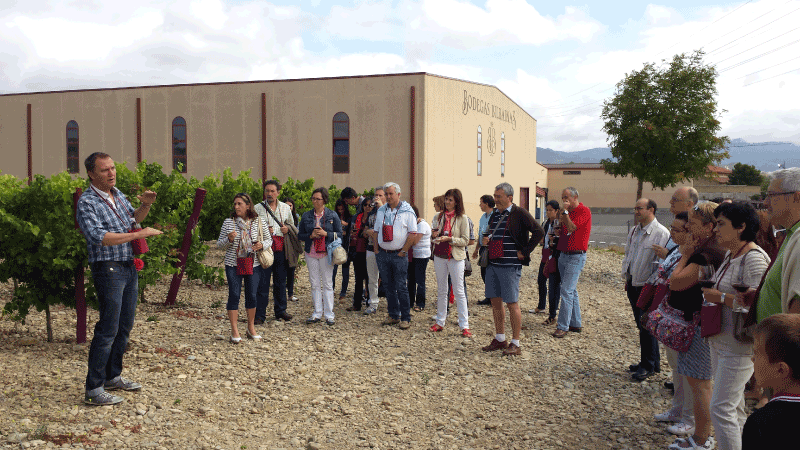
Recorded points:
318,226
743,267
449,255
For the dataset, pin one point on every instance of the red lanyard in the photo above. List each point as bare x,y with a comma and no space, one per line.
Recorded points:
109,203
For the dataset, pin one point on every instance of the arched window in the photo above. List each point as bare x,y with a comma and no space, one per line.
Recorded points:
179,143
341,143
480,151
502,154
73,156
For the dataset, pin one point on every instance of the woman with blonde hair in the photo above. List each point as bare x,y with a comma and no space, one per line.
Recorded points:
239,238
451,237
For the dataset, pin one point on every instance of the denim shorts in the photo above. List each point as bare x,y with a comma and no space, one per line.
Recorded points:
503,282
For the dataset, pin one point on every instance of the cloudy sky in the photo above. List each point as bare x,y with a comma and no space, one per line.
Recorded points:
558,62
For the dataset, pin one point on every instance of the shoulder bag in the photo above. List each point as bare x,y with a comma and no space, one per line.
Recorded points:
742,330
294,248
485,256
265,255
338,253
670,328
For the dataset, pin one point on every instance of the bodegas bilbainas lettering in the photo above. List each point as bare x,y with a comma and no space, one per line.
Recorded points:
484,107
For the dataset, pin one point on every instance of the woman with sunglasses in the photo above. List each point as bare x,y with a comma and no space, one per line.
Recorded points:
700,257
317,228
239,238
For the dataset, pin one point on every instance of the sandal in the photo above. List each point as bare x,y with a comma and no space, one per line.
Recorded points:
549,321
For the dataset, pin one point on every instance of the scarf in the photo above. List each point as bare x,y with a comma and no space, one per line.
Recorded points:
449,217
245,240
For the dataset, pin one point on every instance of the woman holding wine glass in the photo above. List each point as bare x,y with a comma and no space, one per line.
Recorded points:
740,271
700,257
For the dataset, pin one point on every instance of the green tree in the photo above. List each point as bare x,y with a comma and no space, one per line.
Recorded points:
745,175
662,123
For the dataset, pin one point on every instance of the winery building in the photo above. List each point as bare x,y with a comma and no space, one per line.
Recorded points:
428,133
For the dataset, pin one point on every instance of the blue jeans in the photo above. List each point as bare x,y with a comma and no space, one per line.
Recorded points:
394,273
235,282
570,266
117,285
277,274
416,281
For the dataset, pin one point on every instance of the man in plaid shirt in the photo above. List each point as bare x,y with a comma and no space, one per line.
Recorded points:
106,218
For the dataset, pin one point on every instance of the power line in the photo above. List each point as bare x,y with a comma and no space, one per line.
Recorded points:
758,45
766,68
704,28
776,76
759,56
753,31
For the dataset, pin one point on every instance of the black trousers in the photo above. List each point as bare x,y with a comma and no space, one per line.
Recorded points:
649,358
360,269
555,290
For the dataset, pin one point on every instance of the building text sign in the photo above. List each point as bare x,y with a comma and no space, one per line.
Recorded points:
484,107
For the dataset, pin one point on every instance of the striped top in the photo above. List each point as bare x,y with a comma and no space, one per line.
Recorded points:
230,247
509,246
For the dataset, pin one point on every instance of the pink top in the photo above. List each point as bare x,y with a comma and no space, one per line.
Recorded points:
313,253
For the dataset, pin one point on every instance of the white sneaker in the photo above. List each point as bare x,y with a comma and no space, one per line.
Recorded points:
680,429
667,416
689,443
294,299
370,310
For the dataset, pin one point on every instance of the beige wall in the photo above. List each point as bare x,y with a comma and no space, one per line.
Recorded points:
223,123
451,142
600,190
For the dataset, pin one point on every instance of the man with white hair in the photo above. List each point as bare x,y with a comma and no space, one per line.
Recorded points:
781,289
395,225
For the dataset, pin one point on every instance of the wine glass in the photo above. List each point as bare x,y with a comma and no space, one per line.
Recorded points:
706,280
740,287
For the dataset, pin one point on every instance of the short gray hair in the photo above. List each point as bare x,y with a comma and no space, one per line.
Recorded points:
694,196
507,189
391,184
379,188
572,191
790,178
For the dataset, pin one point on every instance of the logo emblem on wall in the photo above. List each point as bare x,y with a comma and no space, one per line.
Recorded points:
491,142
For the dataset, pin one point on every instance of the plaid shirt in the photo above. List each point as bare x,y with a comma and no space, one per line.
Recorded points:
96,218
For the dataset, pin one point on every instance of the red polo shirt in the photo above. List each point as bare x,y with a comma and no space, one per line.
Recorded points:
579,239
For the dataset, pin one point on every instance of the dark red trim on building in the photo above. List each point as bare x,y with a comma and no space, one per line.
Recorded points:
30,148
413,144
263,136
138,130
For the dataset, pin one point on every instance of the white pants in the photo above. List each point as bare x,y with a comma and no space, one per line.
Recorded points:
373,275
455,269
732,366
320,275
683,400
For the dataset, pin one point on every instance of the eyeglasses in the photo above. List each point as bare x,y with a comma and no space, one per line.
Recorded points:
316,198
775,194
639,208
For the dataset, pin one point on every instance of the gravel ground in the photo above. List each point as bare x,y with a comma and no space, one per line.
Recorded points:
353,385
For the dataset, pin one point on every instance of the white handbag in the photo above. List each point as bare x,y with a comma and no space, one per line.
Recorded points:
265,255
339,255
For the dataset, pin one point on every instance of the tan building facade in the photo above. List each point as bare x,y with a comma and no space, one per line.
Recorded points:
425,132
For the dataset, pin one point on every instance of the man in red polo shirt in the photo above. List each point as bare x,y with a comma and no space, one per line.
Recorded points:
576,225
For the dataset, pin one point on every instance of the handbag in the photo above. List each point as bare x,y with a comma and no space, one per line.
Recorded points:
646,296
483,257
265,255
467,267
742,332
495,247
244,265
670,328
338,254
710,319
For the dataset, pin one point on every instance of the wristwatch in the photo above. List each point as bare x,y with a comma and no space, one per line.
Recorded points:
722,299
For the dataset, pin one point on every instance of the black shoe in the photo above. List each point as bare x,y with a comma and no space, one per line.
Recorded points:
642,374
286,317
633,368
669,385
485,301
259,321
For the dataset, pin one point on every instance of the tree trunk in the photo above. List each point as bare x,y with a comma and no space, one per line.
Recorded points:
638,190
49,323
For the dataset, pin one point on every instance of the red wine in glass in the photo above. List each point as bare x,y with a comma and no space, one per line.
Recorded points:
740,287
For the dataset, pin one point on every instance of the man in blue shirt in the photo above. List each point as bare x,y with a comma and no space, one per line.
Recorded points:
106,218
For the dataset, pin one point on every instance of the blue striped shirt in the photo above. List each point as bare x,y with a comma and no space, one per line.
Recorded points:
96,218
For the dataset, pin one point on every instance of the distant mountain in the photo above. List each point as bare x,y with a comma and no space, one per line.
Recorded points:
764,155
